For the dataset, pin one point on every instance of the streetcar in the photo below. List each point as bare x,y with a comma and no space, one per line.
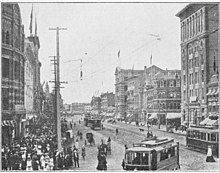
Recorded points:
200,137
93,123
152,154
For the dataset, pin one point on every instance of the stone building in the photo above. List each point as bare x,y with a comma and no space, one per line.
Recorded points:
13,66
199,62
121,75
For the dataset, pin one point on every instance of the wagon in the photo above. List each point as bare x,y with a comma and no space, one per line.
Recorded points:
90,138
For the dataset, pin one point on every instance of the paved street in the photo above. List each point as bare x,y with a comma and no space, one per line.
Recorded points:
128,134
89,164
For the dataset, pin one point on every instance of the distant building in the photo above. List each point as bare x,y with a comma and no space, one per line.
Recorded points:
87,107
78,107
107,100
96,105
121,75
13,69
199,60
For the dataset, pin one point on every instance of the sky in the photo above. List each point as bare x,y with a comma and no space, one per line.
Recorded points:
95,33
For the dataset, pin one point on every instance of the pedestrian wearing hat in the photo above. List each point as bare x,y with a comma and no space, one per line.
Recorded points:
76,157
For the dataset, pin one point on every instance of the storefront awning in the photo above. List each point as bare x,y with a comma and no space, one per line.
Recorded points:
8,123
153,116
213,92
209,92
217,92
173,115
209,122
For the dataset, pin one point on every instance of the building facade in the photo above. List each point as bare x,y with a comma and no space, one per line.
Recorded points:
13,67
96,105
107,100
121,75
33,46
199,62
164,97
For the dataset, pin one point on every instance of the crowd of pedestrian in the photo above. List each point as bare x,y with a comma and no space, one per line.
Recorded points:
38,151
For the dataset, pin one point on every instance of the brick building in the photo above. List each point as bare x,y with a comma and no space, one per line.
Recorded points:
164,98
199,62
13,66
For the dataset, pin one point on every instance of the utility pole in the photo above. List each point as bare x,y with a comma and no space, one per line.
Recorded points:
219,58
55,76
59,147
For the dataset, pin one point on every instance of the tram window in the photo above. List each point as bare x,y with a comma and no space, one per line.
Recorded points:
199,135
136,160
203,136
129,158
171,151
145,159
164,155
213,137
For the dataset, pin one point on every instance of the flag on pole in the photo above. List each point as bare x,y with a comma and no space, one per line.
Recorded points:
151,59
118,54
35,25
30,27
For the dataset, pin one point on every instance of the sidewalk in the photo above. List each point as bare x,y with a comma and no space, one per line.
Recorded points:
162,128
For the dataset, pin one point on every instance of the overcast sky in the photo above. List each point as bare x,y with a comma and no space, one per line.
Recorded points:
100,30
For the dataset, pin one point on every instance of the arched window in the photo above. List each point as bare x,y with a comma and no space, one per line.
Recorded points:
7,38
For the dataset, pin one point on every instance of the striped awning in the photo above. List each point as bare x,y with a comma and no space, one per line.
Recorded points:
213,92
8,123
210,91
217,92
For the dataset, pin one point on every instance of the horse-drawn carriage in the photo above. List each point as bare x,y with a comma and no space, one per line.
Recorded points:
90,139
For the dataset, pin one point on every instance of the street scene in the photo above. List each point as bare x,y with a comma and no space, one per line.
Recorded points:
110,86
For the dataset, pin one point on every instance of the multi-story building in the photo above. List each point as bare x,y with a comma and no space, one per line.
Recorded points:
13,67
121,75
164,97
212,96
96,105
29,77
33,44
78,107
199,62
107,100
87,108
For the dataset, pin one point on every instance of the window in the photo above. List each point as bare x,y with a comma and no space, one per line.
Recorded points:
171,83
5,67
193,26
196,24
7,38
213,137
164,155
203,77
3,36
201,20
5,98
